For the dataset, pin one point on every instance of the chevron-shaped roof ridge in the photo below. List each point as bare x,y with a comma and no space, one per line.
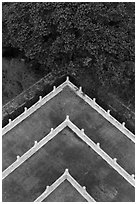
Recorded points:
65,176
96,147
77,91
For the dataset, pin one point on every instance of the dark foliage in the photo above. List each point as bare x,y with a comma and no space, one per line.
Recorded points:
95,37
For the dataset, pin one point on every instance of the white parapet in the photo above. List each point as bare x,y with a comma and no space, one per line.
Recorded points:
85,138
60,180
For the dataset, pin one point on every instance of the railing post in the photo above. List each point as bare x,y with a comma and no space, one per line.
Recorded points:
25,109
98,144
133,176
35,143
18,157
9,121
84,187
94,100
51,130
67,79
47,188
40,98
108,112
54,88
115,160
67,118
80,89
66,171
82,130
123,124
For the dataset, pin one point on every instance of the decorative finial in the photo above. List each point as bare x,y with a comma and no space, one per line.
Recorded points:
98,144
84,187
133,176
123,124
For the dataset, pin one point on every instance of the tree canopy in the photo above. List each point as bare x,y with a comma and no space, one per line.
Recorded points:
96,37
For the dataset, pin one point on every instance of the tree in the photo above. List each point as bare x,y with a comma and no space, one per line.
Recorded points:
97,37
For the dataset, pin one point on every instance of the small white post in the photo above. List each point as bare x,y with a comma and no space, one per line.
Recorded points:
84,187
67,117
133,176
18,157
94,100
67,80
25,109
9,121
35,143
82,130
66,171
80,89
98,144
54,88
40,98
47,188
51,130
115,160
123,124
108,112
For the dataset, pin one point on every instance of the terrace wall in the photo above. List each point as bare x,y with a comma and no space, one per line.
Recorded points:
29,97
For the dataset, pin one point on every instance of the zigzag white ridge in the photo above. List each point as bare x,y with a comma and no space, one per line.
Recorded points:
79,92
96,147
65,176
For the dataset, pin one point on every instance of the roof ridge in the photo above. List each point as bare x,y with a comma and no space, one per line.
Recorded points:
65,176
79,92
96,147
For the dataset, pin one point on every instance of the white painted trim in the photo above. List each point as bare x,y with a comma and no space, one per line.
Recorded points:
32,109
105,114
73,182
84,137
78,92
